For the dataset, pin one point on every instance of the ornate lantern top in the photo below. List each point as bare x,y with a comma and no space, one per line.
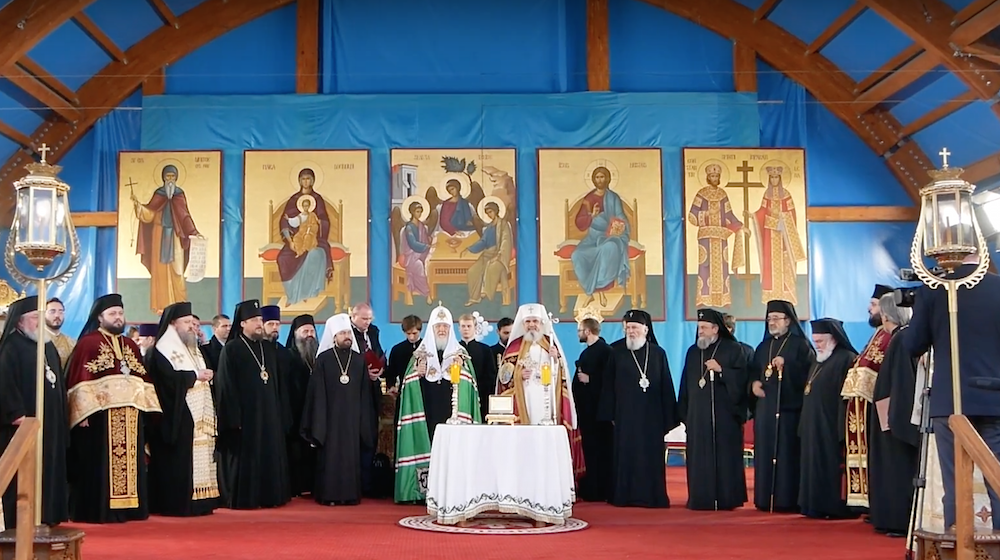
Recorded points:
948,229
42,174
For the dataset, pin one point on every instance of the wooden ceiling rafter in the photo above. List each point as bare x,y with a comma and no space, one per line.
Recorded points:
765,9
929,23
34,87
940,112
986,168
166,14
893,64
834,29
100,37
972,29
896,82
15,135
970,10
307,33
880,130
113,84
53,83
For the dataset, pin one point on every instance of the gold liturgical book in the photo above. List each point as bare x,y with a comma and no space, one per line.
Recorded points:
501,410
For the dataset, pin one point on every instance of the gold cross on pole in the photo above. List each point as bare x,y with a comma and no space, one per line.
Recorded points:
43,151
944,153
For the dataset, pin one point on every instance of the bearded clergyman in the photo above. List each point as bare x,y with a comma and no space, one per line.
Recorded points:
712,404
302,347
638,396
182,469
821,491
109,398
425,400
338,419
534,357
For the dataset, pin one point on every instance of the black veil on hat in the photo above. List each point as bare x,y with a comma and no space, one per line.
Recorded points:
640,316
101,305
14,313
833,327
173,312
244,310
297,322
712,316
782,306
881,290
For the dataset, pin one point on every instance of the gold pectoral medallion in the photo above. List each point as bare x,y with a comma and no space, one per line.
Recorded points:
769,371
123,459
808,387
701,383
345,379
264,376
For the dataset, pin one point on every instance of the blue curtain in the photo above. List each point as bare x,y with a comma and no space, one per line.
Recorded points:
525,122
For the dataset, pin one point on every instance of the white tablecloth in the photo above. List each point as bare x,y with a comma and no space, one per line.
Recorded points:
525,470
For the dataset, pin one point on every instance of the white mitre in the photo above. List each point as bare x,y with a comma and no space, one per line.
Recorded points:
440,315
336,324
534,311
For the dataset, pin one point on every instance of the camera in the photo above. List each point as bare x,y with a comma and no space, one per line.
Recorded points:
907,274
904,297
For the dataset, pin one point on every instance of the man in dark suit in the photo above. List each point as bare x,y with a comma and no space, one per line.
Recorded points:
503,333
484,361
213,349
367,336
979,368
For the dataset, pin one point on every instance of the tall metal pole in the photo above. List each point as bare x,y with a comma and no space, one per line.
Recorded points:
40,399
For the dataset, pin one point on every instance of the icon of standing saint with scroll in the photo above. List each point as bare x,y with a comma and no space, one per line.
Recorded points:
166,231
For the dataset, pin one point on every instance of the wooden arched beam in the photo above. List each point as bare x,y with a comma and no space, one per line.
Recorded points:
929,24
878,128
109,87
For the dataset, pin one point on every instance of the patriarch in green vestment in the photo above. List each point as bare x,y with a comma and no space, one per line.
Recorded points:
425,402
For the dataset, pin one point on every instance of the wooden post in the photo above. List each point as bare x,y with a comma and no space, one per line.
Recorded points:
25,532
744,68
598,53
307,53
155,83
965,548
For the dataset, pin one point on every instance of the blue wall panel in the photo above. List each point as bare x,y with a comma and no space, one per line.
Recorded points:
645,58
854,51
88,58
931,97
807,19
970,134
125,22
258,58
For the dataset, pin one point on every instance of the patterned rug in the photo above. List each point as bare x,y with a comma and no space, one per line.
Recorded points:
492,524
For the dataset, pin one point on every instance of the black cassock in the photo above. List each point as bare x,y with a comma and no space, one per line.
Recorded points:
395,368
597,436
253,422
437,400
301,457
484,364
821,431
714,458
641,421
783,430
337,419
171,443
893,455
17,399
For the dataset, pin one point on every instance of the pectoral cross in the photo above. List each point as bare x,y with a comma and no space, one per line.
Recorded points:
746,185
944,153
45,149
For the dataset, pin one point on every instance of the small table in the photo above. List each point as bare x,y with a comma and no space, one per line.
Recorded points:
524,470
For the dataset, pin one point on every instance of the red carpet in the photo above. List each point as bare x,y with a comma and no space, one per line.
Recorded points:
305,530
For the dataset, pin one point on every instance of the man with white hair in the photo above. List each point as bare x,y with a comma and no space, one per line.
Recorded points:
338,418
821,493
638,397
425,402
534,350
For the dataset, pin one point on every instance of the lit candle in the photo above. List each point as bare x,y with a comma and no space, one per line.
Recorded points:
455,370
546,374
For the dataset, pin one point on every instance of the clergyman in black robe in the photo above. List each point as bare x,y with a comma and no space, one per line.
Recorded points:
399,358
747,404
484,362
894,441
822,488
782,362
638,397
596,435
253,416
183,473
337,415
711,406
18,351
302,349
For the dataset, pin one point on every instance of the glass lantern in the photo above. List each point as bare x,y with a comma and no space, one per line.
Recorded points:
41,226
948,219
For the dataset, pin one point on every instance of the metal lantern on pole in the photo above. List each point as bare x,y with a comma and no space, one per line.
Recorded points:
949,233
42,232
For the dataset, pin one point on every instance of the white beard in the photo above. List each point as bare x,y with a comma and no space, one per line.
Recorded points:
705,341
634,344
440,343
825,354
33,336
532,336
